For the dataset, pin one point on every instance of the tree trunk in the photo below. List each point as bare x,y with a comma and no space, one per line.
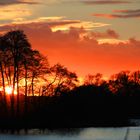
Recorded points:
26,86
32,85
12,96
17,79
9,75
3,83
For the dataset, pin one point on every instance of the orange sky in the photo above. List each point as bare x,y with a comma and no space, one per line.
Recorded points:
87,36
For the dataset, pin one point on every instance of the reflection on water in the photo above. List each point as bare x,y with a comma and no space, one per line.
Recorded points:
131,133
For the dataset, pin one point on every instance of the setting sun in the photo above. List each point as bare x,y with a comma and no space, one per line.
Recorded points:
8,90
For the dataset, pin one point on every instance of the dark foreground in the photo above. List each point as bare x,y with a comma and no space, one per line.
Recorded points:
73,111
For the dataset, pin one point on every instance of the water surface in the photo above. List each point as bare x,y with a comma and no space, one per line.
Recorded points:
133,133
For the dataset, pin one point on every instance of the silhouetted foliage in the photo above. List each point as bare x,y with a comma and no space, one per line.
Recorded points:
51,96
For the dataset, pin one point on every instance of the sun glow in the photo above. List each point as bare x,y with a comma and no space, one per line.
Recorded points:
8,90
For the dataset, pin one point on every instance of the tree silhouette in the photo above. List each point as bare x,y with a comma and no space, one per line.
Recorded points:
119,82
135,77
39,68
2,57
94,79
18,62
61,80
18,46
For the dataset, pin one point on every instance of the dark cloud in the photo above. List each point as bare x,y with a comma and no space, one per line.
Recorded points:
121,14
100,2
127,11
61,23
9,2
117,15
108,34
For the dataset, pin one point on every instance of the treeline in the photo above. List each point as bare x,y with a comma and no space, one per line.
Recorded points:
33,93
124,83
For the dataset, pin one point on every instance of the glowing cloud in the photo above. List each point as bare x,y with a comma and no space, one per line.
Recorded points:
86,25
111,41
58,23
11,13
95,52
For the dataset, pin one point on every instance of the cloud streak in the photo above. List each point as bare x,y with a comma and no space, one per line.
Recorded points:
122,14
59,23
103,2
10,2
127,11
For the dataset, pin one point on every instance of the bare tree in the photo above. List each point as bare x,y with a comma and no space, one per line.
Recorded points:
61,79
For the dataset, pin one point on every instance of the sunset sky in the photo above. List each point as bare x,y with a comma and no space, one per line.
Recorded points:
87,36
